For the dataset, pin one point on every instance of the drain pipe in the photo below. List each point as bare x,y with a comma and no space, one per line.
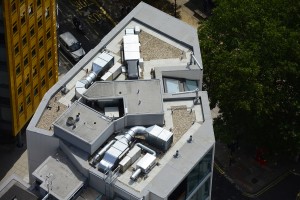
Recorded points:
146,149
102,151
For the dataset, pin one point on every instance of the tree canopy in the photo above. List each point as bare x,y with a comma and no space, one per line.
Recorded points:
251,57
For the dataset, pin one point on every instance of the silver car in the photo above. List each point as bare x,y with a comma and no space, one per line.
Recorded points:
69,44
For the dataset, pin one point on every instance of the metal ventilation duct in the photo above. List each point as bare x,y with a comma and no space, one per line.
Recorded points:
104,61
119,149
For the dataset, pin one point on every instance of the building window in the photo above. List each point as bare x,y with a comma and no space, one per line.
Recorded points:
24,40
49,54
15,27
47,13
28,99
23,19
202,192
21,108
43,82
38,3
41,42
34,71
18,69
42,62
16,48
32,31
40,22
35,90
13,7
199,172
48,34
27,81
30,9
20,89
50,73
193,186
33,52
25,61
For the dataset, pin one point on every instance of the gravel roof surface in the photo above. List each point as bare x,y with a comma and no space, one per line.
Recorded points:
153,48
54,110
183,119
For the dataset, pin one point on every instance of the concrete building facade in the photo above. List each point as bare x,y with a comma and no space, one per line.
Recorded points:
28,60
129,121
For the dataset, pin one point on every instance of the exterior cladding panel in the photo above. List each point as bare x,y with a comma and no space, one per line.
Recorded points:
100,140
47,145
74,161
85,146
96,181
145,120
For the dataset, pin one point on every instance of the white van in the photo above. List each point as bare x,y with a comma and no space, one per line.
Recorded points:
69,44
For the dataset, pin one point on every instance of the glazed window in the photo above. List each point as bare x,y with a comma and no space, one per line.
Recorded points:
34,71
23,19
24,39
47,13
32,30
43,82
41,42
40,22
33,52
38,3
28,99
30,9
18,69
49,54
21,108
15,27
27,81
48,34
42,62
50,73
20,89
36,90
13,7
25,61
17,48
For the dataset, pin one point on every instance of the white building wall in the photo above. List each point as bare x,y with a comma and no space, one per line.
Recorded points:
39,147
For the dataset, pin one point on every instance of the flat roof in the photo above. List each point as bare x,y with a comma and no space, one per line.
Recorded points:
89,126
60,175
140,96
166,45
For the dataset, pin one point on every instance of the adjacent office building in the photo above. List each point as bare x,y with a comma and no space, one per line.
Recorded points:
129,121
28,60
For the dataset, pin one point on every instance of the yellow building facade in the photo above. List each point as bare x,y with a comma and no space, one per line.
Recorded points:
28,61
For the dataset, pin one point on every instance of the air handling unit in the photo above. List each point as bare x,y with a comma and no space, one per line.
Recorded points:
102,63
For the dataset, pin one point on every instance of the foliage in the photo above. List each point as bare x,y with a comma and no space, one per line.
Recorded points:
251,57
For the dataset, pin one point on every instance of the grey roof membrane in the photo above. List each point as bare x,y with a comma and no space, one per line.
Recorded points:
142,96
91,123
59,176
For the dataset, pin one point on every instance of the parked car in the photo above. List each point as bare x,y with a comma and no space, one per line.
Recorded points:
70,45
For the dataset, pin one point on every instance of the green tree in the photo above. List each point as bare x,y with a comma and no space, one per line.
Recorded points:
251,57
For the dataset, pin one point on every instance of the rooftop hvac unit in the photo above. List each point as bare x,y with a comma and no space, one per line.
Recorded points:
159,137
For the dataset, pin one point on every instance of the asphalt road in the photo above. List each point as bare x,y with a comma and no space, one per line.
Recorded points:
222,189
95,23
287,189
